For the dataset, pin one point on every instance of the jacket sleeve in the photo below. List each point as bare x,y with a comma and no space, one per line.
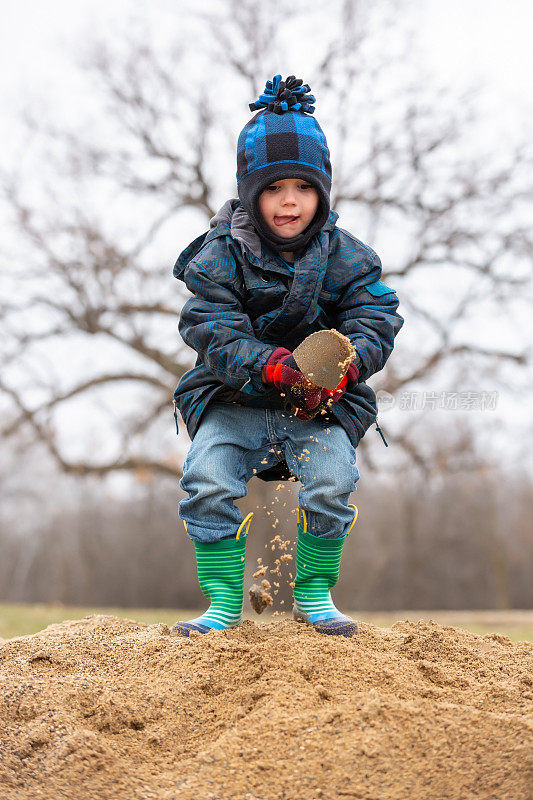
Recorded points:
215,324
368,317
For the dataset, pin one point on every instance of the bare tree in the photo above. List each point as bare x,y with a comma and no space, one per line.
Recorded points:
92,276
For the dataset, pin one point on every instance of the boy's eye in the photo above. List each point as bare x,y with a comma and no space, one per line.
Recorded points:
273,188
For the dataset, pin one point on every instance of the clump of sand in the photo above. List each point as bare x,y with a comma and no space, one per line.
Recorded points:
324,357
106,708
260,596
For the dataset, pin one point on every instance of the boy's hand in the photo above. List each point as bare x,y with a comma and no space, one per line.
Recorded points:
349,379
352,376
282,371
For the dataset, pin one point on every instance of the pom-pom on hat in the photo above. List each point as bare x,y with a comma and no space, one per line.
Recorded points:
283,140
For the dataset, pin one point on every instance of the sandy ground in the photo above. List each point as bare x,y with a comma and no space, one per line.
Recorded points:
106,708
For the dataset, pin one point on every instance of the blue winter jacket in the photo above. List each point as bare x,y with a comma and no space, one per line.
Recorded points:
248,300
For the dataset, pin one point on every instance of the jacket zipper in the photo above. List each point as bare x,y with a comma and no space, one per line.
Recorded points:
381,433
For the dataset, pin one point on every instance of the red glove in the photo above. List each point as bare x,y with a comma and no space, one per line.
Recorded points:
283,372
351,376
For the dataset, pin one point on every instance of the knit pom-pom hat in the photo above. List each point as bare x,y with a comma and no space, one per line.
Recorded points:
282,141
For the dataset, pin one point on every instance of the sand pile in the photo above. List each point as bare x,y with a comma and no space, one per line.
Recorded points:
110,708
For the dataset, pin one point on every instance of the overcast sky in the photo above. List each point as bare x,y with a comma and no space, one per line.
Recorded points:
463,40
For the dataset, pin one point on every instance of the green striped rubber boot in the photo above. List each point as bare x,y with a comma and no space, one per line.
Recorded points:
221,577
318,563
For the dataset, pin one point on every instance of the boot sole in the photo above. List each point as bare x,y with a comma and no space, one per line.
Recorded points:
185,628
332,627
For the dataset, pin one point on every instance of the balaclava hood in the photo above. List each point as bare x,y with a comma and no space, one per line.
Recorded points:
283,141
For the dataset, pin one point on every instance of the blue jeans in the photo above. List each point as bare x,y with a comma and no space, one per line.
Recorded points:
234,442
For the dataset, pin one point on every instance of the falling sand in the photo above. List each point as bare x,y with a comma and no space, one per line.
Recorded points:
106,708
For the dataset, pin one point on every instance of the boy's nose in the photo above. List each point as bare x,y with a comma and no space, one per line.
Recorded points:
288,198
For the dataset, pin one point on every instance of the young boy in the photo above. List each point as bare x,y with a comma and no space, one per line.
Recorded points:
274,268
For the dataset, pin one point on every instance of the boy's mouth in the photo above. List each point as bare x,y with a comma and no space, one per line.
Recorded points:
287,220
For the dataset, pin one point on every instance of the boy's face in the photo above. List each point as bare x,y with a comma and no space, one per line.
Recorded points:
288,206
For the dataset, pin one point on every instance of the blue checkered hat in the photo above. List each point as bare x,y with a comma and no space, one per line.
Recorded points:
283,140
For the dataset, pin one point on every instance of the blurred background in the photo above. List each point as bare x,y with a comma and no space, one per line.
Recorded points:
119,126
